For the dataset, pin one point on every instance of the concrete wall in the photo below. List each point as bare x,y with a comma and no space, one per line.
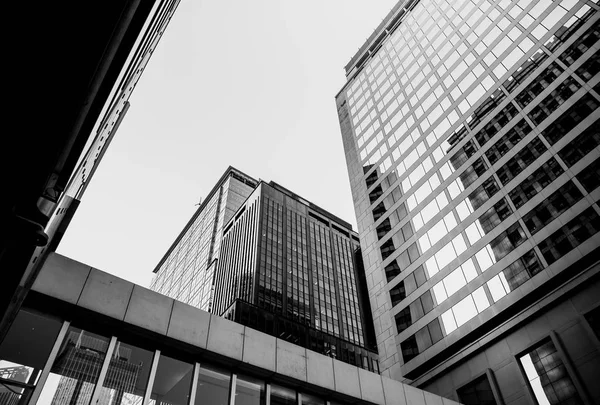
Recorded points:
105,294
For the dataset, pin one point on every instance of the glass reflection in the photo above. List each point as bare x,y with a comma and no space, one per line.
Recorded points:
282,396
127,376
548,377
248,391
76,369
311,400
172,383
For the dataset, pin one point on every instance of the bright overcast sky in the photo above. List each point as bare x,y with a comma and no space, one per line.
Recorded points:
249,84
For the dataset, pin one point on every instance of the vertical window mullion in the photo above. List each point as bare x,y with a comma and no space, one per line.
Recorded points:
48,366
268,394
232,389
194,386
103,370
151,377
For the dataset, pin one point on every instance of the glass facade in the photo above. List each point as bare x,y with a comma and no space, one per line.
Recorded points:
101,369
471,136
186,273
294,263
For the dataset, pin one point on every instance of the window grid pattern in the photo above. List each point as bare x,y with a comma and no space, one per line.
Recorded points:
235,274
351,320
270,271
298,281
296,268
517,72
187,273
326,303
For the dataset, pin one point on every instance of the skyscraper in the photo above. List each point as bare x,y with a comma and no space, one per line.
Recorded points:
293,270
260,255
186,272
471,136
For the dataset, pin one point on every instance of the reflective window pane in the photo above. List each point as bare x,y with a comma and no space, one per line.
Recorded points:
172,383
477,392
76,369
282,396
311,400
248,391
464,310
127,376
593,318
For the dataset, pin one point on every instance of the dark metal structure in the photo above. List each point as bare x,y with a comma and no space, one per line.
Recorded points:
75,63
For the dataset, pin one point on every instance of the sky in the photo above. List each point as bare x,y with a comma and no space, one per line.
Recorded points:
250,84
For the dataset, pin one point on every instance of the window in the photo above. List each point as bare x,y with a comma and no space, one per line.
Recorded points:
568,120
248,391
593,318
172,383
282,396
547,376
483,193
521,160
310,400
536,182
575,232
508,141
403,319
20,369
76,369
589,176
397,293
557,203
507,241
409,348
582,145
477,392
213,387
127,376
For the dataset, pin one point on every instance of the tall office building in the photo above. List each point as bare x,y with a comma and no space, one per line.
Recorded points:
186,272
471,135
293,270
